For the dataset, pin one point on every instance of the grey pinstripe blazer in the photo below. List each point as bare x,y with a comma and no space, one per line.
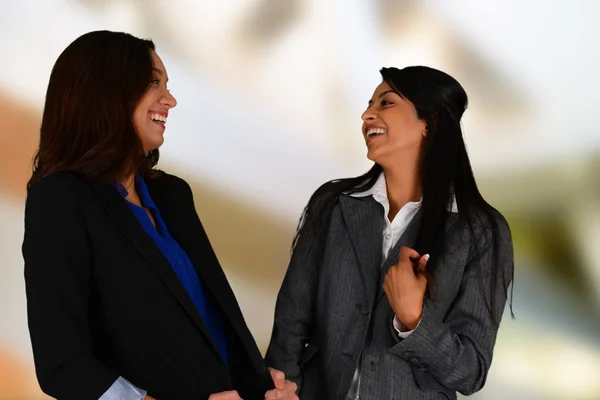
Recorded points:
332,314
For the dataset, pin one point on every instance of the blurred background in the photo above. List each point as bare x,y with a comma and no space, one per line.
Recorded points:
270,96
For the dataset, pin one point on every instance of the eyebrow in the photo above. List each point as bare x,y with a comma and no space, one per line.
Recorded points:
382,94
159,71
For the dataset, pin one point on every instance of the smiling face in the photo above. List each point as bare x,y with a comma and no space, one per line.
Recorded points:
391,127
151,113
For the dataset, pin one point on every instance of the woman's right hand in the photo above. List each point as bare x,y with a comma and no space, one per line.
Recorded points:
229,395
405,287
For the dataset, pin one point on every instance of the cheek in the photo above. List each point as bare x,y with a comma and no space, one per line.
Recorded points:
138,122
405,130
144,129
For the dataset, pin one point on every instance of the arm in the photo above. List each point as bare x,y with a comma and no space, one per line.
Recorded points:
294,310
57,278
457,350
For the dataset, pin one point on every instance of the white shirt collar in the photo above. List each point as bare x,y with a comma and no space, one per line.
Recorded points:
379,189
379,193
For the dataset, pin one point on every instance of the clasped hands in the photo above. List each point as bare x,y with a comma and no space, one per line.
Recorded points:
284,389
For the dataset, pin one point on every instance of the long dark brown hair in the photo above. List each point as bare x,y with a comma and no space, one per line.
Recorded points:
445,174
87,124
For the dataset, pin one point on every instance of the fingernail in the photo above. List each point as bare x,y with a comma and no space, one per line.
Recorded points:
426,257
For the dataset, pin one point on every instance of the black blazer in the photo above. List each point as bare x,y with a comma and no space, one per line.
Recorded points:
103,302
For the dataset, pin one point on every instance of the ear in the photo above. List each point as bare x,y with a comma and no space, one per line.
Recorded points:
425,128
429,124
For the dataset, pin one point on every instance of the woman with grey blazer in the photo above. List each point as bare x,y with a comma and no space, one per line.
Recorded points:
399,277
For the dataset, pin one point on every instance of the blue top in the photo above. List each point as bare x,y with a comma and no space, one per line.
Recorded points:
183,267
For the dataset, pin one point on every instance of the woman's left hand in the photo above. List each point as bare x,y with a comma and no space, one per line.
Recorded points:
404,289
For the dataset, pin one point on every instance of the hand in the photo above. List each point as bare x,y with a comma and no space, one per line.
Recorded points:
284,390
149,398
405,287
229,395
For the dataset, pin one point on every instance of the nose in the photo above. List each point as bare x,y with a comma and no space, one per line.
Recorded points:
368,115
168,100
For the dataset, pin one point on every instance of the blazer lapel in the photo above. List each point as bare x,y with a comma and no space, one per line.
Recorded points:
185,227
124,219
363,218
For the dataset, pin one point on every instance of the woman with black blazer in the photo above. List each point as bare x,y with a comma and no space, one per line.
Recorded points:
126,298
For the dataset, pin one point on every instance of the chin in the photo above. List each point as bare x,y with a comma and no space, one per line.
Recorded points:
155,144
373,156
151,148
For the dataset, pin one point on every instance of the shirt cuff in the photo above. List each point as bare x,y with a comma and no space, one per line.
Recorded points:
399,327
122,389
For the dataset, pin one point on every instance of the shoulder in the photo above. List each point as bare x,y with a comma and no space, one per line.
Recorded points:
491,221
482,219
166,181
170,190
328,191
322,192
57,202
487,228
61,187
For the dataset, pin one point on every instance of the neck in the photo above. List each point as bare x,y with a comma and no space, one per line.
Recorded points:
129,185
403,182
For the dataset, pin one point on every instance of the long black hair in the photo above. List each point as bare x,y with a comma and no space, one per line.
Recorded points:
445,173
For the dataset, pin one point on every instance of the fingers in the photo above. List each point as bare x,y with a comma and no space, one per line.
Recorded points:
278,378
420,270
387,282
288,392
408,254
229,395
423,262
410,260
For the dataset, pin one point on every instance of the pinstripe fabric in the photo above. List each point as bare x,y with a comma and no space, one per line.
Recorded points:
331,314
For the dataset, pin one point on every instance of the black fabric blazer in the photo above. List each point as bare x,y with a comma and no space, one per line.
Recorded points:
103,301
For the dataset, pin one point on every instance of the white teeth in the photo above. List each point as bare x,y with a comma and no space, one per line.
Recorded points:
158,117
375,131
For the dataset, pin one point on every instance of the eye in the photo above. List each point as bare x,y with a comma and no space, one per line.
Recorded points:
386,103
156,81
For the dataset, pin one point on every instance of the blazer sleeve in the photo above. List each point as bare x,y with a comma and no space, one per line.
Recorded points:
456,349
58,280
294,309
